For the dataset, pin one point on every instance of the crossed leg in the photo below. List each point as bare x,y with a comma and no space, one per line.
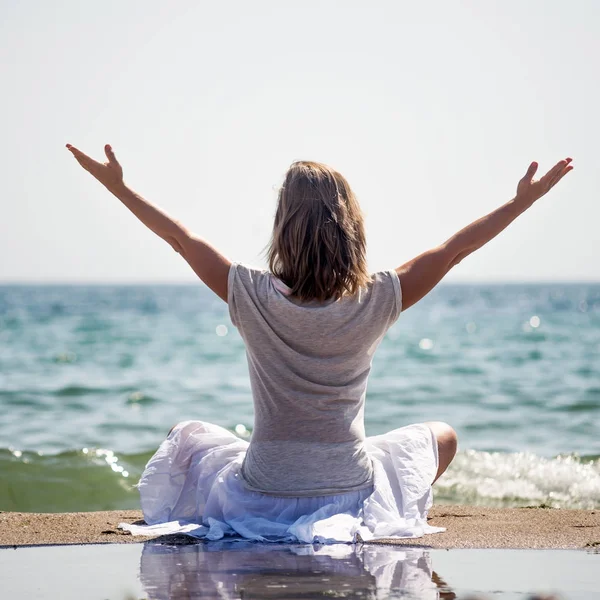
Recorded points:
447,441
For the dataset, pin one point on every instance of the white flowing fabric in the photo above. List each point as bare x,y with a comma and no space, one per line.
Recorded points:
230,570
193,485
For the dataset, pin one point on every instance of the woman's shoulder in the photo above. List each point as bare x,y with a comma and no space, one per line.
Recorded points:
387,278
243,269
385,286
242,275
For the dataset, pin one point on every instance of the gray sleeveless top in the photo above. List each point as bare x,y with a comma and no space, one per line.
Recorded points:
309,364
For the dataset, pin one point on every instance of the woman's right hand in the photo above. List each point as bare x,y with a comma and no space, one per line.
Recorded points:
109,174
530,190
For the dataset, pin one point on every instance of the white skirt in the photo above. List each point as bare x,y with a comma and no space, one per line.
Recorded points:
193,485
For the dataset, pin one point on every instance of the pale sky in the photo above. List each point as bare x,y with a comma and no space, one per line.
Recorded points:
432,110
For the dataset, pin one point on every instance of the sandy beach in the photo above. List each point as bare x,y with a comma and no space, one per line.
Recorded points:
467,527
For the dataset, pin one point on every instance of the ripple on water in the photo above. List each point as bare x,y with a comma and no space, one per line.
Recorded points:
492,425
587,371
141,399
20,399
65,358
497,401
582,405
126,361
76,406
535,355
92,325
131,427
83,390
467,370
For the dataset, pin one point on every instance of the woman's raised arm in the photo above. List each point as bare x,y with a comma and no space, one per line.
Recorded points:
208,263
421,274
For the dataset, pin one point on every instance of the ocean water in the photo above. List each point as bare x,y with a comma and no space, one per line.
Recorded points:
93,377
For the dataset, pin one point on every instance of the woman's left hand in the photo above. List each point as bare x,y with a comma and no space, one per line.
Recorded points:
110,173
529,189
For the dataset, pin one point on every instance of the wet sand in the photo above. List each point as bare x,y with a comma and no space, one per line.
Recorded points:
467,527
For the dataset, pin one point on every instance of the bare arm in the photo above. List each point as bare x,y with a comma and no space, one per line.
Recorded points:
421,274
209,264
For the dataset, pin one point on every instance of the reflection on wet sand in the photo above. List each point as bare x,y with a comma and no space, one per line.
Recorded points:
245,570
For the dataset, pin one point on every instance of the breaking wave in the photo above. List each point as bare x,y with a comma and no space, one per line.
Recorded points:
99,479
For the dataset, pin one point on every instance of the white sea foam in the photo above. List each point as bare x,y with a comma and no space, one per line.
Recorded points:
521,479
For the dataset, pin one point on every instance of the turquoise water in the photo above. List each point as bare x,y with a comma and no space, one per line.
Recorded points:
93,377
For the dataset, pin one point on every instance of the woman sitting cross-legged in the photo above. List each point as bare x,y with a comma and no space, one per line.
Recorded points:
311,324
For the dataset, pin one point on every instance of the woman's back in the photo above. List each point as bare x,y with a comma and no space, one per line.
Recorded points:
309,350
309,363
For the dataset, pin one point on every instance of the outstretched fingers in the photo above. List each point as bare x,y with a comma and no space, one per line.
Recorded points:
560,175
77,153
83,159
531,171
558,171
110,154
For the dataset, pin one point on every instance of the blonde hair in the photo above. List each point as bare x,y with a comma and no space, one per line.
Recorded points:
318,246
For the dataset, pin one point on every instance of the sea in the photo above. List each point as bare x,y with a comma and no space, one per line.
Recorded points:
92,377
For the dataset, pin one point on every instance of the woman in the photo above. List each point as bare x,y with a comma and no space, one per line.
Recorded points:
311,324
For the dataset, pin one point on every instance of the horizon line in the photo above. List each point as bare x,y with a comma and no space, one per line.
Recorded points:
108,282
